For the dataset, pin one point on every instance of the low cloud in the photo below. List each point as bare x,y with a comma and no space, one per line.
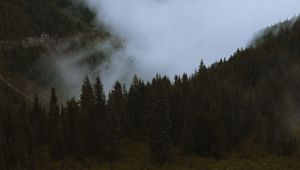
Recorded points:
172,36
164,36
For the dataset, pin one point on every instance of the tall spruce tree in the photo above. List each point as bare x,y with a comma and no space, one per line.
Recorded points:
72,126
88,109
100,114
135,103
113,123
99,99
53,109
53,126
160,126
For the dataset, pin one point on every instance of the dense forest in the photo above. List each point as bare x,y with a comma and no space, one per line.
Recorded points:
246,105
31,18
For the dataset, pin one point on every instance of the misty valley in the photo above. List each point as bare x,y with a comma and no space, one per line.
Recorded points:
87,84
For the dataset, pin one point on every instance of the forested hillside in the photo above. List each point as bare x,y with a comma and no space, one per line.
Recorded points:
31,18
33,33
238,113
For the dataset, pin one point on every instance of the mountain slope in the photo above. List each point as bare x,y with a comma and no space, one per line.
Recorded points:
31,18
33,30
243,109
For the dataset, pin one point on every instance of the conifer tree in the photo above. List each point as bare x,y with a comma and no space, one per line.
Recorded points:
88,109
72,126
113,123
53,127
87,98
99,99
61,138
53,109
100,114
160,138
118,105
135,103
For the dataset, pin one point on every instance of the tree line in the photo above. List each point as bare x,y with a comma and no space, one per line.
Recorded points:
208,120
252,96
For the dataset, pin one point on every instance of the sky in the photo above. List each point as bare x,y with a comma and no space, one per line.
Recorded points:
172,36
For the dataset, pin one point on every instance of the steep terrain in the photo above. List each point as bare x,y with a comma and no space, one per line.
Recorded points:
36,30
21,19
238,113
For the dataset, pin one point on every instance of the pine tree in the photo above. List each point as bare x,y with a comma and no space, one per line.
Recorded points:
53,126
160,138
72,126
202,67
135,103
87,98
178,108
53,109
88,109
99,99
100,114
113,123
61,137
118,105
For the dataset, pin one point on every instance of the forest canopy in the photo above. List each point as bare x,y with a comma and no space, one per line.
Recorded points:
246,105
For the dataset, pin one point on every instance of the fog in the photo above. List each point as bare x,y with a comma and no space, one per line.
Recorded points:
172,36
166,37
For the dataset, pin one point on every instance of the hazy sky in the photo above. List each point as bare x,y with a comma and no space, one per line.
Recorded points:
172,36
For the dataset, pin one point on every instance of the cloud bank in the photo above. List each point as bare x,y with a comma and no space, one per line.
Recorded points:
164,36
172,36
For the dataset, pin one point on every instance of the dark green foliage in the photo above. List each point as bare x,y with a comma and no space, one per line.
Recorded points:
72,126
88,109
31,18
113,123
54,122
250,101
99,99
136,100
16,143
100,112
209,135
38,121
180,108
117,103
160,126
53,109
